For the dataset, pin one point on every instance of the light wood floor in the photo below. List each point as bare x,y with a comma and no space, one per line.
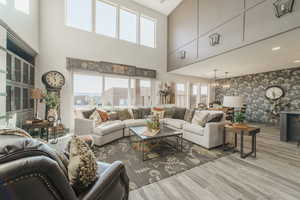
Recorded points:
273,175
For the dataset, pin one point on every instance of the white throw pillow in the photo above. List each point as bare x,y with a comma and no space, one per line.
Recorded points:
200,118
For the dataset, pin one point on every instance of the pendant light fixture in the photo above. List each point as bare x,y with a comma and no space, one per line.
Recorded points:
226,84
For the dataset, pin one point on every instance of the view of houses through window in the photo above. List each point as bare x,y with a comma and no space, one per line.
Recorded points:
117,92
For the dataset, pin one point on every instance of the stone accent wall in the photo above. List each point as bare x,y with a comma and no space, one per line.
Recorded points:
253,87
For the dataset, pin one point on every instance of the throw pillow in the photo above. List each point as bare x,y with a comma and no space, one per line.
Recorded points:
179,113
104,115
137,113
169,112
124,114
96,117
216,117
145,112
82,168
189,114
200,118
113,116
88,113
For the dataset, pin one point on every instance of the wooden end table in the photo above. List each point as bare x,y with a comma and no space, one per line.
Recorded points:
44,125
247,131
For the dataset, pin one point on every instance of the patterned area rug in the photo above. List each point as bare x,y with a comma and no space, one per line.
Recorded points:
143,173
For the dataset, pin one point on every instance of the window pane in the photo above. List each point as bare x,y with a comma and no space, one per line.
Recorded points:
115,92
195,90
204,94
141,92
3,2
106,19
128,26
22,5
180,95
80,14
148,32
25,73
17,70
86,95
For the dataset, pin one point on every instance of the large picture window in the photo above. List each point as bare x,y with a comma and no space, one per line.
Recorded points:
106,19
181,97
147,32
115,92
86,95
79,14
128,26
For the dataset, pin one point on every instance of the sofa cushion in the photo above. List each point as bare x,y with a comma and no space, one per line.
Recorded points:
179,113
88,113
189,114
113,116
124,114
169,112
193,128
135,122
200,118
215,117
108,127
176,123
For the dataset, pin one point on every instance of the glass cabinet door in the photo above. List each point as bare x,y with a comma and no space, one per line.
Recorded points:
9,67
17,70
25,73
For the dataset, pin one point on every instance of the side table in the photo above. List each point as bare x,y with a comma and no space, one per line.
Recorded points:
44,125
247,131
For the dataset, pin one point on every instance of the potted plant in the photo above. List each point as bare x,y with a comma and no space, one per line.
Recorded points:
52,101
239,119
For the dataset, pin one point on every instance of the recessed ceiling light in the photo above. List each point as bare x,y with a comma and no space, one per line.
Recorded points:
275,48
297,61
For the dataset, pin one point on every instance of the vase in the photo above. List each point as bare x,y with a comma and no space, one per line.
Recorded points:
52,115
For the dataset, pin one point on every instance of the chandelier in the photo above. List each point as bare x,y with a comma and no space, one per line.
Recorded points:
226,84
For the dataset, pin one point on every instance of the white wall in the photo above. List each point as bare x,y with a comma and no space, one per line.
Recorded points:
26,26
58,41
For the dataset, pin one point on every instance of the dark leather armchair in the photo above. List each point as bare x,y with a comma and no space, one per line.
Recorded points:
31,170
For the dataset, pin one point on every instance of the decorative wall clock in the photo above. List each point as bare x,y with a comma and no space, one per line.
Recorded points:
274,92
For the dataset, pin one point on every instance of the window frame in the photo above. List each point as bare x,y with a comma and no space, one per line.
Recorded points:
155,30
116,36
92,20
137,14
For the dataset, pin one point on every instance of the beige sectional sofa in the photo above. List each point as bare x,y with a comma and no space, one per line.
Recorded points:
209,136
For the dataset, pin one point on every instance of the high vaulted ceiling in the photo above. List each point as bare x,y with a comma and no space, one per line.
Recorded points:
256,58
162,6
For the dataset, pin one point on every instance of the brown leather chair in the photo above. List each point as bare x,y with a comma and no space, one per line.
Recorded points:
31,170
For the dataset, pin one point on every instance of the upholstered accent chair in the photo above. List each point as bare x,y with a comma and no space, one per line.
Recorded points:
30,169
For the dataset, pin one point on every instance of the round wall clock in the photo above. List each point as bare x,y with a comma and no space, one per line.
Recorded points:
53,79
274,92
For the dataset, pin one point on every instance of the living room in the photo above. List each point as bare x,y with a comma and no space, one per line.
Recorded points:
138,99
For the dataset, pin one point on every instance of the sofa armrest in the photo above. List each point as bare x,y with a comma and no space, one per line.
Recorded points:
113,183
84,126
214,133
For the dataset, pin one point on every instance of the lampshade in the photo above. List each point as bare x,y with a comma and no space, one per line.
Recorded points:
36,93
233,101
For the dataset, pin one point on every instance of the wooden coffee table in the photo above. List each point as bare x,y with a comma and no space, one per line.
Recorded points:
248,131
165,132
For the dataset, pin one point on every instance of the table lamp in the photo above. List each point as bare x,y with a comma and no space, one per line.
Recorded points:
233,101
36,95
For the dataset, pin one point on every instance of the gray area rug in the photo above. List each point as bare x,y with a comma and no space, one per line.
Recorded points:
143,173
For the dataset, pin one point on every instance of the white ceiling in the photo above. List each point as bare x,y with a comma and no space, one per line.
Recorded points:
162,6
252,59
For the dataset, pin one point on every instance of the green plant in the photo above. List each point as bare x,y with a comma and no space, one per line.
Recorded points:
51,100
239,117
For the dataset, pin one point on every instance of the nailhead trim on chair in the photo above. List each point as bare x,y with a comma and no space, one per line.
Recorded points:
38,175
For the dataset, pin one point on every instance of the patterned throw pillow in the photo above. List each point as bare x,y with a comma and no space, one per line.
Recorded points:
88,113
124,115
179,113
137,113
189,114
82,168
200,118
146,112
104,115
96,117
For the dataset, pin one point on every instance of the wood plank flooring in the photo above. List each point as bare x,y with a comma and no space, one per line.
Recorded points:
273,175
